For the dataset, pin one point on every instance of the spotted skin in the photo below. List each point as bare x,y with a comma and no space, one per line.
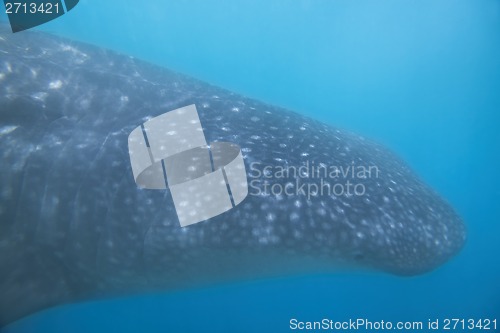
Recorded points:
74,226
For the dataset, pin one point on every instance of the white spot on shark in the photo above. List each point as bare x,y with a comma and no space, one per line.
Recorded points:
7,130
57,84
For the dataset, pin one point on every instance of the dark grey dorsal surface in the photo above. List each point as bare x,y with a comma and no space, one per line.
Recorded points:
74,225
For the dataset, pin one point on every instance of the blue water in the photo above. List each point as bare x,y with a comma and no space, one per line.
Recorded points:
420,76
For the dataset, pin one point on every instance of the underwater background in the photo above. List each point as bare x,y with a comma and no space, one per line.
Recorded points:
420,76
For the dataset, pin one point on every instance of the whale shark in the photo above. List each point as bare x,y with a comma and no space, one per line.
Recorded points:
74,225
